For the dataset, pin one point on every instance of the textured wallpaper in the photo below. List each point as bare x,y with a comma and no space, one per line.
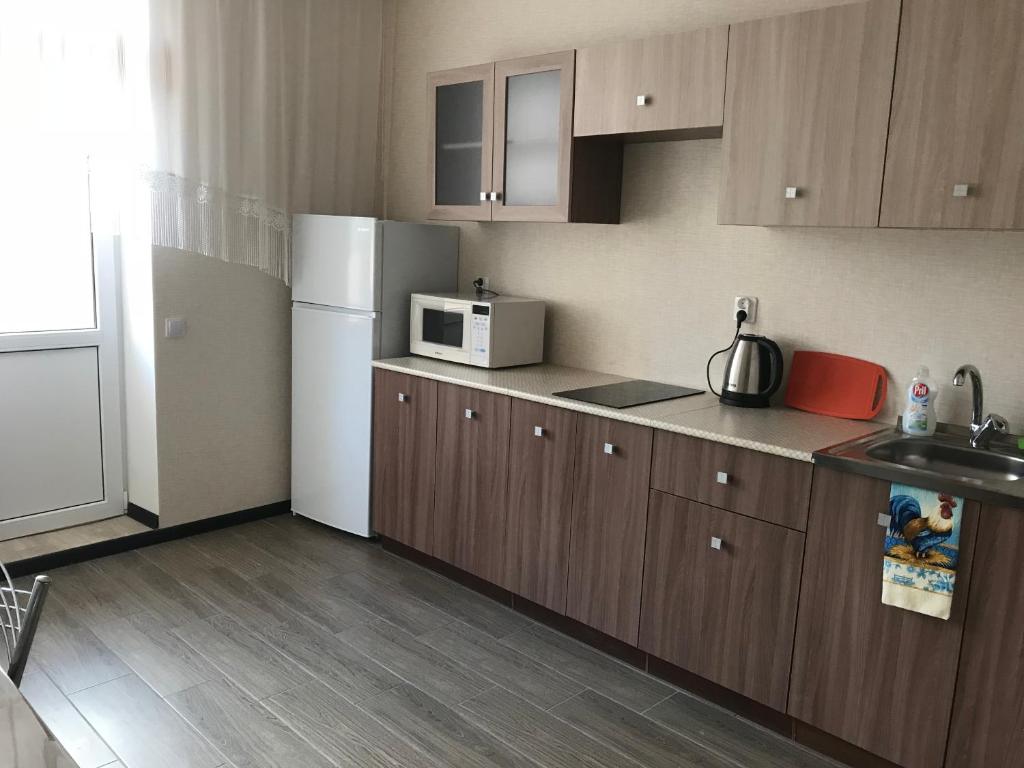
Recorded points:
651,297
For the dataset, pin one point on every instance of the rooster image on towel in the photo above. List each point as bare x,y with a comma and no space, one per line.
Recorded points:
918,535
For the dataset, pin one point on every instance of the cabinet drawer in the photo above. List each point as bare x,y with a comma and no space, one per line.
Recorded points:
720,596
770,488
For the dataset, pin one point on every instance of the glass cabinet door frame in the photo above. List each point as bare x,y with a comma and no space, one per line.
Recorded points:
482,210
565,62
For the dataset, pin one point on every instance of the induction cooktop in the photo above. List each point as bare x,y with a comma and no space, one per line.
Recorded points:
626,394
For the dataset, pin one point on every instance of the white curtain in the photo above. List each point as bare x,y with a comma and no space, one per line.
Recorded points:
262,108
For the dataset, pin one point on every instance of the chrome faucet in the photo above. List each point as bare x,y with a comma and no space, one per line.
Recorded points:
983,428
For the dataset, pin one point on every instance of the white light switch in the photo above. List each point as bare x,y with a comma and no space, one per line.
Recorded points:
175,327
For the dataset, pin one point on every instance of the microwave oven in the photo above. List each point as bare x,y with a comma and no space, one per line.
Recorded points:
493,332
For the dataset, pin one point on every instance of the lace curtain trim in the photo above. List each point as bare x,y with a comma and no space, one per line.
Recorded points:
201,218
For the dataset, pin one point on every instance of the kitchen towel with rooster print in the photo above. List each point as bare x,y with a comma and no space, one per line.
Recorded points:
921,550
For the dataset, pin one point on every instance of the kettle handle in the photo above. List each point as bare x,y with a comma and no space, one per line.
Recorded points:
775,355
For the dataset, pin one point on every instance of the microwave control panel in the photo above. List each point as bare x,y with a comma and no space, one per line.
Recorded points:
480,335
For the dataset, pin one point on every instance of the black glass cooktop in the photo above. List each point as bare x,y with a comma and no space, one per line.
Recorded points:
626,394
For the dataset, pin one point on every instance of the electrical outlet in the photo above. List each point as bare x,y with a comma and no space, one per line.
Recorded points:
484,282
749,305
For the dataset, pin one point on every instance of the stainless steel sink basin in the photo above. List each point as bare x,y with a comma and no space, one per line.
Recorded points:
952,460
945,461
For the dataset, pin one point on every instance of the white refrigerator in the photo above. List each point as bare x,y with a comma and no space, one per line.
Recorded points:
351,282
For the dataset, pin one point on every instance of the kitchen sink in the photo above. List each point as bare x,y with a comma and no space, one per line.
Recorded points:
945,461
953,460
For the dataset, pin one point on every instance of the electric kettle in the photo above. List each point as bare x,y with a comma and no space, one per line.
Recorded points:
753,372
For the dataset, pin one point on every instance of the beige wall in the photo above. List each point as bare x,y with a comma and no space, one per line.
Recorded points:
223,391
651,296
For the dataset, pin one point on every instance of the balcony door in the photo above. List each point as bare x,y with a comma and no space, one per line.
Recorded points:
61,459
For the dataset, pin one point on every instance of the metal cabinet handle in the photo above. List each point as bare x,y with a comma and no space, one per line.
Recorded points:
402,397
722,478
484,197
962,190
643,100
609,448
470,413
792,193
494,197
538,431
716,543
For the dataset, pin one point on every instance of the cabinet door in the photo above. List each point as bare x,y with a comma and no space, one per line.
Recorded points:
471,479
609,521
720,594
665,83
404,433
806,116
460,107
957,111
543,445
533,130
988,717
869,673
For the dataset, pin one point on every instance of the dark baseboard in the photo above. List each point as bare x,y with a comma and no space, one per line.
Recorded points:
143,515
143,539
780,722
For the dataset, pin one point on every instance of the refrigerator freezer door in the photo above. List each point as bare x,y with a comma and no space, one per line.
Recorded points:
332,394
336,261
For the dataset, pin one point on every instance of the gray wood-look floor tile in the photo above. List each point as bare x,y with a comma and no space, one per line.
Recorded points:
341,551
634,735
70,653
92,595
246,559
384,600
141,728
180,559
346,734
502,665
66,723
248,734
284,548
348,671
732,736
415,662
242,657
460,602
161,595
238,598
590,667
317,601
539,735
164,661
439,730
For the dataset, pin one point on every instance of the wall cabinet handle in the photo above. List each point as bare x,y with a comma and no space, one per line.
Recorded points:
792,193
470,413
538,431
495,197
716,543
643,100
402,397
609,448
962,190
484,197
722,478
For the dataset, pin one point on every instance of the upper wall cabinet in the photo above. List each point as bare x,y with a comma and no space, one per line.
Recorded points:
806,115
956,147
501,146
667,83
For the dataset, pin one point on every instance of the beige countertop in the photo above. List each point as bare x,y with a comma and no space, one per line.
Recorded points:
780,431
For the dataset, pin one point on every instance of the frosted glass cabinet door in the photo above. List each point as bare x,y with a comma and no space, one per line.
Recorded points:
460,150
533,137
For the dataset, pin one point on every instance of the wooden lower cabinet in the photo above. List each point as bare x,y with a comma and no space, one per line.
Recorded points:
609,519
541,458
471,479
720,595
879,677
404,441
988,713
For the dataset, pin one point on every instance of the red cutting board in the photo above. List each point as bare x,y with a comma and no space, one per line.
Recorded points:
836,385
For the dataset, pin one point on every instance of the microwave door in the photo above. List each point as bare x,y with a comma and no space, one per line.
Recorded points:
444,327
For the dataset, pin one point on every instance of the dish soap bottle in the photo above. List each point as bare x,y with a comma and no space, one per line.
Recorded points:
919,415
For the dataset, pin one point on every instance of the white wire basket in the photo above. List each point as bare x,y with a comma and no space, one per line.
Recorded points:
19,617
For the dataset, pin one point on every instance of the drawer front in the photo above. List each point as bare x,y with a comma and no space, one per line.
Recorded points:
770,488
720,596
